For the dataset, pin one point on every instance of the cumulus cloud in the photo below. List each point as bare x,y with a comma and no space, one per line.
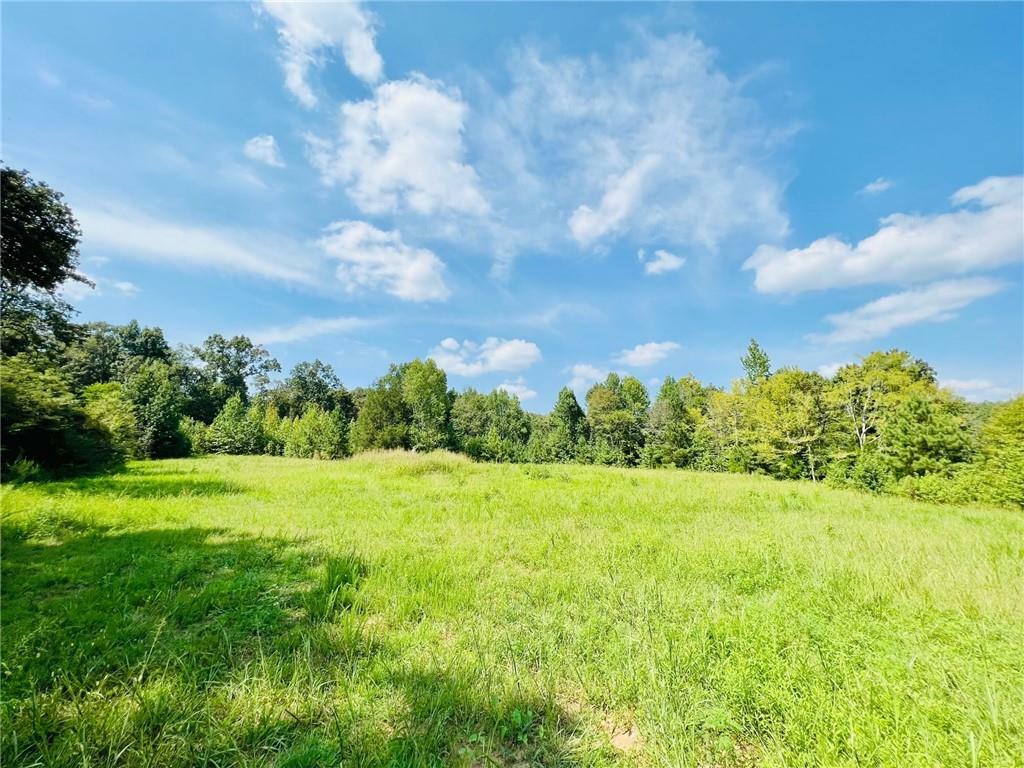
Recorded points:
934,303
879,185
263,149
584,375
468,358
308,328
138,235
371,258
979,390
519,388
643,355
662,262
655,142
402,149
985,231
308,30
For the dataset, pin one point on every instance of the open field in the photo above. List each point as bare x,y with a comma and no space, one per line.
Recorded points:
423,610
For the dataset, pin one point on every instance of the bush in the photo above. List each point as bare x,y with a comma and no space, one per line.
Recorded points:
158,403
236,429
195,434
108,410
317,434
959,487
867,471
44,423
1001,464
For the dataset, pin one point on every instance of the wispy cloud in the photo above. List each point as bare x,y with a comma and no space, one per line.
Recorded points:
308,328
655,142
934,303
560,312
137,235
980,390
879,185
986,231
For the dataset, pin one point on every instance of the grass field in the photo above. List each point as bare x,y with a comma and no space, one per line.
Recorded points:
424,610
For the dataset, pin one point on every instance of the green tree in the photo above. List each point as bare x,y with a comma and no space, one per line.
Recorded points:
232,362
44,422
756,363
470,420
424,389
158,403
39,241
313,383
792,424
569,428
617,413
109,410
384,417
317,434
508,429
237,429
925,436
669,435
1001,457
868,393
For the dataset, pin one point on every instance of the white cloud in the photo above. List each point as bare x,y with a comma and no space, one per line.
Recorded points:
979,390
828,370
655,143
622,195
986,231
879,185
471,359
934,303
402,149
559,312
519,388
307,30
308,328
263,149
74,291
643,355
373,258
662,262
124,287
138,235
585,374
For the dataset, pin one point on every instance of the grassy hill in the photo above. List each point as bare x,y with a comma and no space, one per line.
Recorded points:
423,610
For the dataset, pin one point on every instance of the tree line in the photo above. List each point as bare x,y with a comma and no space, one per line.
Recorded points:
79,396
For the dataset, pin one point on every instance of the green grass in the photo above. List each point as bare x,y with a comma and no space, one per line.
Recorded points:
423,610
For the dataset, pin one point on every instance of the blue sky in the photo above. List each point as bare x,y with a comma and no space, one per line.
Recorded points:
536,194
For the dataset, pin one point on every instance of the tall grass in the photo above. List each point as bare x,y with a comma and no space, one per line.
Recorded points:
396,609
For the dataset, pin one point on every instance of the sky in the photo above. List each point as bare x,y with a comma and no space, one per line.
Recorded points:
537,194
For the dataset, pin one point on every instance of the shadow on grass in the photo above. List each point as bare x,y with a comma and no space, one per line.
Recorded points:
149,482
198,646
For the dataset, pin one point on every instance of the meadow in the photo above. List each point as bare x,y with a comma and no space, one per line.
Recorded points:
424,610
